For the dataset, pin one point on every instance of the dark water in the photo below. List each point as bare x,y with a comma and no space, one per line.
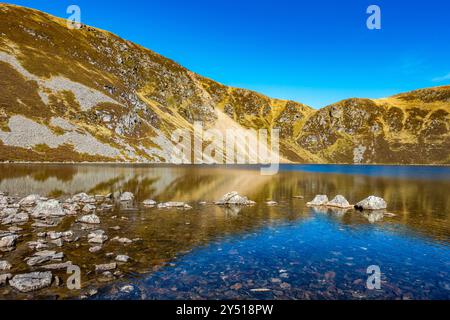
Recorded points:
287,251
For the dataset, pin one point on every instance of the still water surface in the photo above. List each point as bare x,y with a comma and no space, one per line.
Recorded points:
288,251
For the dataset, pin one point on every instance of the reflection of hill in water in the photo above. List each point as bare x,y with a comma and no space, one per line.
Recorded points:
418,203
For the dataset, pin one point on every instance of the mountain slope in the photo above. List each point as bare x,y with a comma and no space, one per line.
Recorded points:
410,128
87,95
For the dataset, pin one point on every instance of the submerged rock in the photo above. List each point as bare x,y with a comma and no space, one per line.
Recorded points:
89,219
106,276
122,258
50,208
44,256
46,223
57,266
122,240
105,267
92,292
389,214
339,202
319,200
233,198
15,229
58,235
95,249
31,281
272,203
127,289
371,203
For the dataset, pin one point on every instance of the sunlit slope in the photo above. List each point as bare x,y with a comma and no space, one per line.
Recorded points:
87,95
410,128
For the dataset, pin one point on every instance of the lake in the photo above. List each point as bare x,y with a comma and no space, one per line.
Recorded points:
287,251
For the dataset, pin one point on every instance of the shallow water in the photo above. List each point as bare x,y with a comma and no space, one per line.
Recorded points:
288,251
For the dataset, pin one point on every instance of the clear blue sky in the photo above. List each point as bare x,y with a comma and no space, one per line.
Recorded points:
315,52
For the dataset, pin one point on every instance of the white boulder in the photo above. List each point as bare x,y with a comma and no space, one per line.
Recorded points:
97,237
179,205
31,281
233,198
339,202
372,203
89,219
50,208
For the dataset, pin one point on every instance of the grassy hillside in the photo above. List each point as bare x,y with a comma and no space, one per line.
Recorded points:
87,95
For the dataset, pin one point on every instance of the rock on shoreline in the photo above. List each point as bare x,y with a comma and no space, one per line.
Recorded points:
180,205
49,208
149,203
31,281
89,219
372,203
97,237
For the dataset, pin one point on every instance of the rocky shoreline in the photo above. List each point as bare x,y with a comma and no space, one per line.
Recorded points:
44,254
46,248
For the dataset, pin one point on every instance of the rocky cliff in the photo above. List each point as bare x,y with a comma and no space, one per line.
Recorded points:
87,95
